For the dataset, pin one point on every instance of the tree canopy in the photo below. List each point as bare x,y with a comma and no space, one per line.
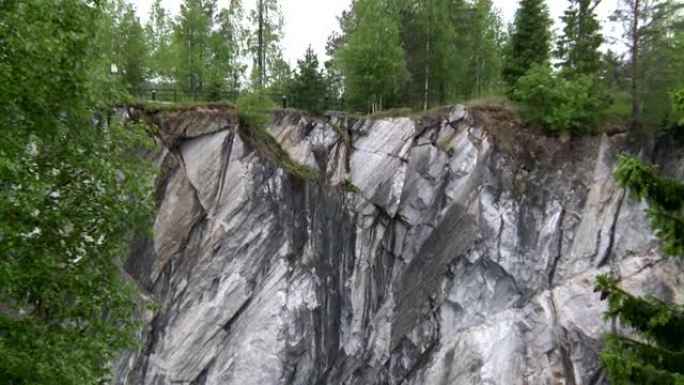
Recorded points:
530,41
70,195
653,353
372,59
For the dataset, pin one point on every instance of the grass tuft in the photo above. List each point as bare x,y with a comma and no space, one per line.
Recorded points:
254,118
348,186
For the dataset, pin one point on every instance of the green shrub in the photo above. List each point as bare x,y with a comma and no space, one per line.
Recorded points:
72,197
253,109
559,104
678,101
254,118
348,186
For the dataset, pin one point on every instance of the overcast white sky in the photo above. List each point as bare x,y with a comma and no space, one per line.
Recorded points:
312,21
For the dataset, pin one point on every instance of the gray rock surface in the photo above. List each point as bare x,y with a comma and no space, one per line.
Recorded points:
467,256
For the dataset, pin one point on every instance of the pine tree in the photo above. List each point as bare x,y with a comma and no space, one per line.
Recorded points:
372,58
307,90
462,15
578,47
662,68
643,21
347,22
280,76
530,41
656,357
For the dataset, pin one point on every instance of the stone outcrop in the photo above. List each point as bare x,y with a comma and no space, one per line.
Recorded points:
462,250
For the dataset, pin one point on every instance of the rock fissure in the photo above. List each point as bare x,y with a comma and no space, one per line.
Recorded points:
568,370
611,231
559,254
227,151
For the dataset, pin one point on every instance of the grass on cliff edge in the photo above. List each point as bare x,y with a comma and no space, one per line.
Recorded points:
155,107
254,118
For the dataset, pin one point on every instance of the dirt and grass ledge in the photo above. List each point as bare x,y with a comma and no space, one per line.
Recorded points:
499,119
175,123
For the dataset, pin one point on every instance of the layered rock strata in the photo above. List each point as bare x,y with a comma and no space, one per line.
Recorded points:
458,248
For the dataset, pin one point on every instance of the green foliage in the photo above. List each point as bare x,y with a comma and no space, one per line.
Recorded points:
453,49
191,33
578,46
678,103
620,108
307,90
348,186
201,51
280,77
560,104
486,61
658,360
372,58
665,197
575,99
628,362
429,37
263,42
159,40
224,69
130,50
253,112
663,73
654,37
530,42
658,356
253,109
70,197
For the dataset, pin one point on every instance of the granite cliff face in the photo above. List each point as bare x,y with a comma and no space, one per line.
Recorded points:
461,251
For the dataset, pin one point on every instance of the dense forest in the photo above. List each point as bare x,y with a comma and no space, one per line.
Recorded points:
71,200
413,54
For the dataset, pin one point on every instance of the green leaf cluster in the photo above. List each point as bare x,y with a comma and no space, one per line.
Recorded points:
665,197
655,354
372,58
253,109
560,104
254,112
308,88
658,357
678,103
128,45
530,42
72,192
417,52
654,66
263,44
578,46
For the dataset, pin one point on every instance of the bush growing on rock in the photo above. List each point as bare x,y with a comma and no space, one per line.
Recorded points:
253,109
559,104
